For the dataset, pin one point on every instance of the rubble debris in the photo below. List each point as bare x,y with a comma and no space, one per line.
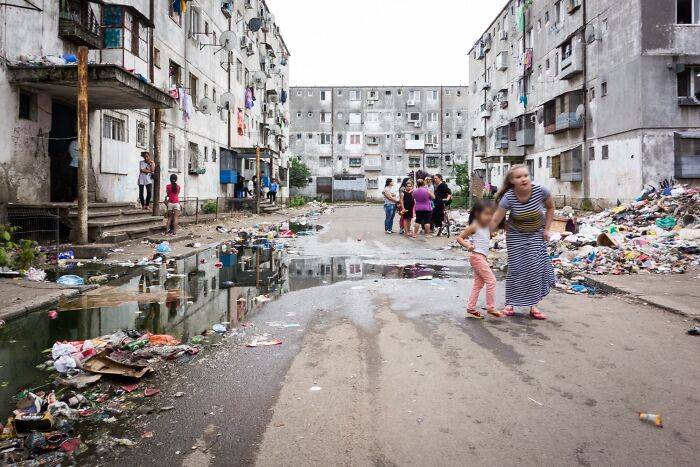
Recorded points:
694,331
70,280
651,418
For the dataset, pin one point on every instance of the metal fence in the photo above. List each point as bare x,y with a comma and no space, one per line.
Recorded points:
42,225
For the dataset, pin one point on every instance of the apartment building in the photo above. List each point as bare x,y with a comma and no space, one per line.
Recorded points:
597,97
354,138
217,71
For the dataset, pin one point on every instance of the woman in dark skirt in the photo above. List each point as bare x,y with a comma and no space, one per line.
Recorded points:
407,206
531,210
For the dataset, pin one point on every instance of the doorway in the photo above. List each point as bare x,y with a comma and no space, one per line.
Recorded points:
64,177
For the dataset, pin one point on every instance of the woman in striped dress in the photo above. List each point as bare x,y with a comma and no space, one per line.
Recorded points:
531,210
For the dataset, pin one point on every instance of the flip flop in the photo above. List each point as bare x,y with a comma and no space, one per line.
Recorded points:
495,313
475,314
537,314
508,311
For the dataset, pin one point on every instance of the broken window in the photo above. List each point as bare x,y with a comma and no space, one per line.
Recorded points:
27,106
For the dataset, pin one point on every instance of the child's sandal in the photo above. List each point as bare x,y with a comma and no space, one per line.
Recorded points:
537,314
508,311
495,313
475,314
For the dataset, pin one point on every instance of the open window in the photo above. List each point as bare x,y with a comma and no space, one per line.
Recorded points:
688,80
571,165
688,11
687,154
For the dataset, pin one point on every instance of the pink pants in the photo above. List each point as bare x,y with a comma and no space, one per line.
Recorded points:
482,276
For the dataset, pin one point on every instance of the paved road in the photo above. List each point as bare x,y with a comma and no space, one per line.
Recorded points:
405,379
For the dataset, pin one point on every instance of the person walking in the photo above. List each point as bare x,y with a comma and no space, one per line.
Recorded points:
477,239
443,195
172,202
422,198
531,211
407,206
390,201
146,170
274,187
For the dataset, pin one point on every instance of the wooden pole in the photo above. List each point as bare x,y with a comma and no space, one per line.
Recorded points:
259,178
157,120
82,231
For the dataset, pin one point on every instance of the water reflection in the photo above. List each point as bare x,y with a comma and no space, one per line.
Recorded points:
183,299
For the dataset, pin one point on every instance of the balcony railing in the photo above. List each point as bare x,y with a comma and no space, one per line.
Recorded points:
525,137
78,23
567,121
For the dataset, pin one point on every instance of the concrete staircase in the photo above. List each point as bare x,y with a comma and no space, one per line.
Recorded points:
266,207
116,222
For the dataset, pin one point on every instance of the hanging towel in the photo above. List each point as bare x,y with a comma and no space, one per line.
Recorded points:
179,6
283,96
521,19
249,98
241,123
187,107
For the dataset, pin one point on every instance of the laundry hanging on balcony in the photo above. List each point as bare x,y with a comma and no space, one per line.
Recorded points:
249,98
179,6
283,96
187,106
241,123
521,19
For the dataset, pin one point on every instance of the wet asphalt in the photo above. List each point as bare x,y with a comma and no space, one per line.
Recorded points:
387,371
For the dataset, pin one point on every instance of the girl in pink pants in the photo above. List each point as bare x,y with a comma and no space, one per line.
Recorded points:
476,238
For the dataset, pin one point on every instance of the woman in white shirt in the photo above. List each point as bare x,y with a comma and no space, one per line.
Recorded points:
146,169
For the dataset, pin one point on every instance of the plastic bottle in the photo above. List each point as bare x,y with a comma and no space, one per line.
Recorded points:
651,418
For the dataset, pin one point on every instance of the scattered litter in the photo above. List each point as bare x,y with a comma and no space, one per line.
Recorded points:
220,328
147,434
35,275
260,341
277,324
694,331
70,280
179,394
150,392
163,248
651,418
53,314
315,387
538,403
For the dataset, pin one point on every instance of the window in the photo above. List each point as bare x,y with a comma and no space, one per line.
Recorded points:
194,82
340,138
434,95
355,139
114,128
414,116
373,117
689,83
459,114
413,162
432,161
433,117
194,22
387,92
175,75
27,106
355,162
604,153
399,92
448,136
326,138
325,96
355,118
591,94
546,17
373,95
688,11
687,155
398,114
557,12
447,115
546,64
239,71
549,161
604,88
355,95
206,90
172,153
340,92
194,166
591,154
372,183
299,136
310,136
571,165
459,135
325,161
414,96
298,93
141,135
539,162
326,117
604,27
206,154
388,158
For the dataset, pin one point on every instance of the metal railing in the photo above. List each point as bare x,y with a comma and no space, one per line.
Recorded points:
42,225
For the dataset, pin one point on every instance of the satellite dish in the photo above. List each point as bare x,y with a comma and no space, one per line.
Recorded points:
228,41
255,24
579,111
207,106
228,101
259,79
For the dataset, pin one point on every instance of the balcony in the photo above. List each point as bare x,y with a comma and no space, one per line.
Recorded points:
525,137
572,65
78,23
502,61
567,121
415,144
373,163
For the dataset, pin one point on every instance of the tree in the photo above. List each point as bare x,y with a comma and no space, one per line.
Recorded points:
299,174
462,177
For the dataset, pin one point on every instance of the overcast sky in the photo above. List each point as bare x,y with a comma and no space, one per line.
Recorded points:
381,42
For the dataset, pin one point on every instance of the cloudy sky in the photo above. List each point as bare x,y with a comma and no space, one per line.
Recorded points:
381,42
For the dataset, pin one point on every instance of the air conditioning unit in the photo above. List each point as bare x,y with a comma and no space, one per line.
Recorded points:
503,35
436,146
417,124
411,103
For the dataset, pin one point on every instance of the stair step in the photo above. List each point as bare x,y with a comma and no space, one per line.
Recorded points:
128,233
107,223
110,213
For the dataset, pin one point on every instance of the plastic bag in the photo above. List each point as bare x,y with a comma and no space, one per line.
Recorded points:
35,275
65,363
163,248
70,280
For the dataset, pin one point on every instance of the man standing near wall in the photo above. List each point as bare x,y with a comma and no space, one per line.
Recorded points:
443,195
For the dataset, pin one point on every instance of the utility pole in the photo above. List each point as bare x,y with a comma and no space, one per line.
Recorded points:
82,236
157,160
257,174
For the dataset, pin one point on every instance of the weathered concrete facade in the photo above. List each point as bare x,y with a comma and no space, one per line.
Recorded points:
379,132
178,53
598,97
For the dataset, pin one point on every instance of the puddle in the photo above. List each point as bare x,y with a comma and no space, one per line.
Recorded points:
183,301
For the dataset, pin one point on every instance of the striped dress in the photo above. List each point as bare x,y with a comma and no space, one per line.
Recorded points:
530,272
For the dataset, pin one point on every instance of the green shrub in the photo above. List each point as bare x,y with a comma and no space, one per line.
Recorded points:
209,207
297,201
16,256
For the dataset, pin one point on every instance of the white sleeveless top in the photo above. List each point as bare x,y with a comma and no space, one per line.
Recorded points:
481,240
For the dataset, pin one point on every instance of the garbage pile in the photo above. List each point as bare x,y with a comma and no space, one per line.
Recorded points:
658,233
95,383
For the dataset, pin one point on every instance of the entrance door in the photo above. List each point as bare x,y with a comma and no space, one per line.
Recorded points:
64,178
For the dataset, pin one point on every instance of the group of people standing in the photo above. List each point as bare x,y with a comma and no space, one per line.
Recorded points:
248,187
420,205
147,168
